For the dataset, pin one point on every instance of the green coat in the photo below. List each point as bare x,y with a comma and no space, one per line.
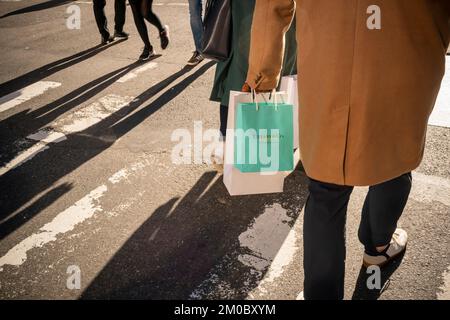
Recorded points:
231,73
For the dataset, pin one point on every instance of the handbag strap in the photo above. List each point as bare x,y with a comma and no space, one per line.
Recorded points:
208,6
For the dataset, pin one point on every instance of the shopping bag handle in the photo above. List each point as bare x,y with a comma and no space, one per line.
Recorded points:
273,94
253,92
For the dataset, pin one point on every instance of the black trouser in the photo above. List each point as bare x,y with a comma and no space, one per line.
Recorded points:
142,9
324,230
100,18
223,120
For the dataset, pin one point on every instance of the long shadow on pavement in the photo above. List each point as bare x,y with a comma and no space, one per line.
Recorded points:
33,209
18,186
175,254
37,7
51,68
22,124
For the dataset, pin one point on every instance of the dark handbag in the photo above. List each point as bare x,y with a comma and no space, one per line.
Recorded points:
216,41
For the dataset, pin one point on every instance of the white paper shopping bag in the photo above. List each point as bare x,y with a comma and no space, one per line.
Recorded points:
239,183
289,85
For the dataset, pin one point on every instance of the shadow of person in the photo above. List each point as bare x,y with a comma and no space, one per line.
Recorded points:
44,201
20,125
37,7
20,185
45,71
195,242
366,280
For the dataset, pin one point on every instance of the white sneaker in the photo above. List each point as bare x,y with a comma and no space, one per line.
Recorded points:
396,247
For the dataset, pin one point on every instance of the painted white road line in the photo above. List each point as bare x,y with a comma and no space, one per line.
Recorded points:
444,290
23,157
70,124
441,112
62,223
124,174
283,258
92,114
71,217
269,244
135,73
264,237
47,136
16,98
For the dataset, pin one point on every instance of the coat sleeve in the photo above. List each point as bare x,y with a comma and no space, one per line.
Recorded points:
271,20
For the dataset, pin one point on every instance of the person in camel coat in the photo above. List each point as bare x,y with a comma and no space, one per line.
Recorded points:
369,74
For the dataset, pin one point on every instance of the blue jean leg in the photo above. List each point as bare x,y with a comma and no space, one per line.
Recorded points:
195,11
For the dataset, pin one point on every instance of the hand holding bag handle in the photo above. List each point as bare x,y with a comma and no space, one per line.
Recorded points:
272,95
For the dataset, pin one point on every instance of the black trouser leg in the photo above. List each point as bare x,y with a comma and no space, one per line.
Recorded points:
223,120
100,18
152,17
139,21
324,227
324,240
120,11
382,209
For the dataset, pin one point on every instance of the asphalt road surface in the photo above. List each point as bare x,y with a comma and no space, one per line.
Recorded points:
88,186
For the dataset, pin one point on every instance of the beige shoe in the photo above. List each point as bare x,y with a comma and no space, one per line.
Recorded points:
396,247
217,157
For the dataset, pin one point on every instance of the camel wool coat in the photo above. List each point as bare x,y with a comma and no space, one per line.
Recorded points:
369,74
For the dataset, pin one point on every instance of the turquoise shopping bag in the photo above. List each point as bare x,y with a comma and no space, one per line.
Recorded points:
264,137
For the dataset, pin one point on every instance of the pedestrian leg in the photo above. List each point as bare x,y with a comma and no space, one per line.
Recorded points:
140,22
120,11
152,17
382,209
100,18
324,240
195,12
223,120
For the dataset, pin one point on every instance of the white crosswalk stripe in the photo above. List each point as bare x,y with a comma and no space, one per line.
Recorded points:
72,123
23,157
67,220
135,73
18,97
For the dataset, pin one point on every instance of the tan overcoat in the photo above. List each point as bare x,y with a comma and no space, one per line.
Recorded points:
369,73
